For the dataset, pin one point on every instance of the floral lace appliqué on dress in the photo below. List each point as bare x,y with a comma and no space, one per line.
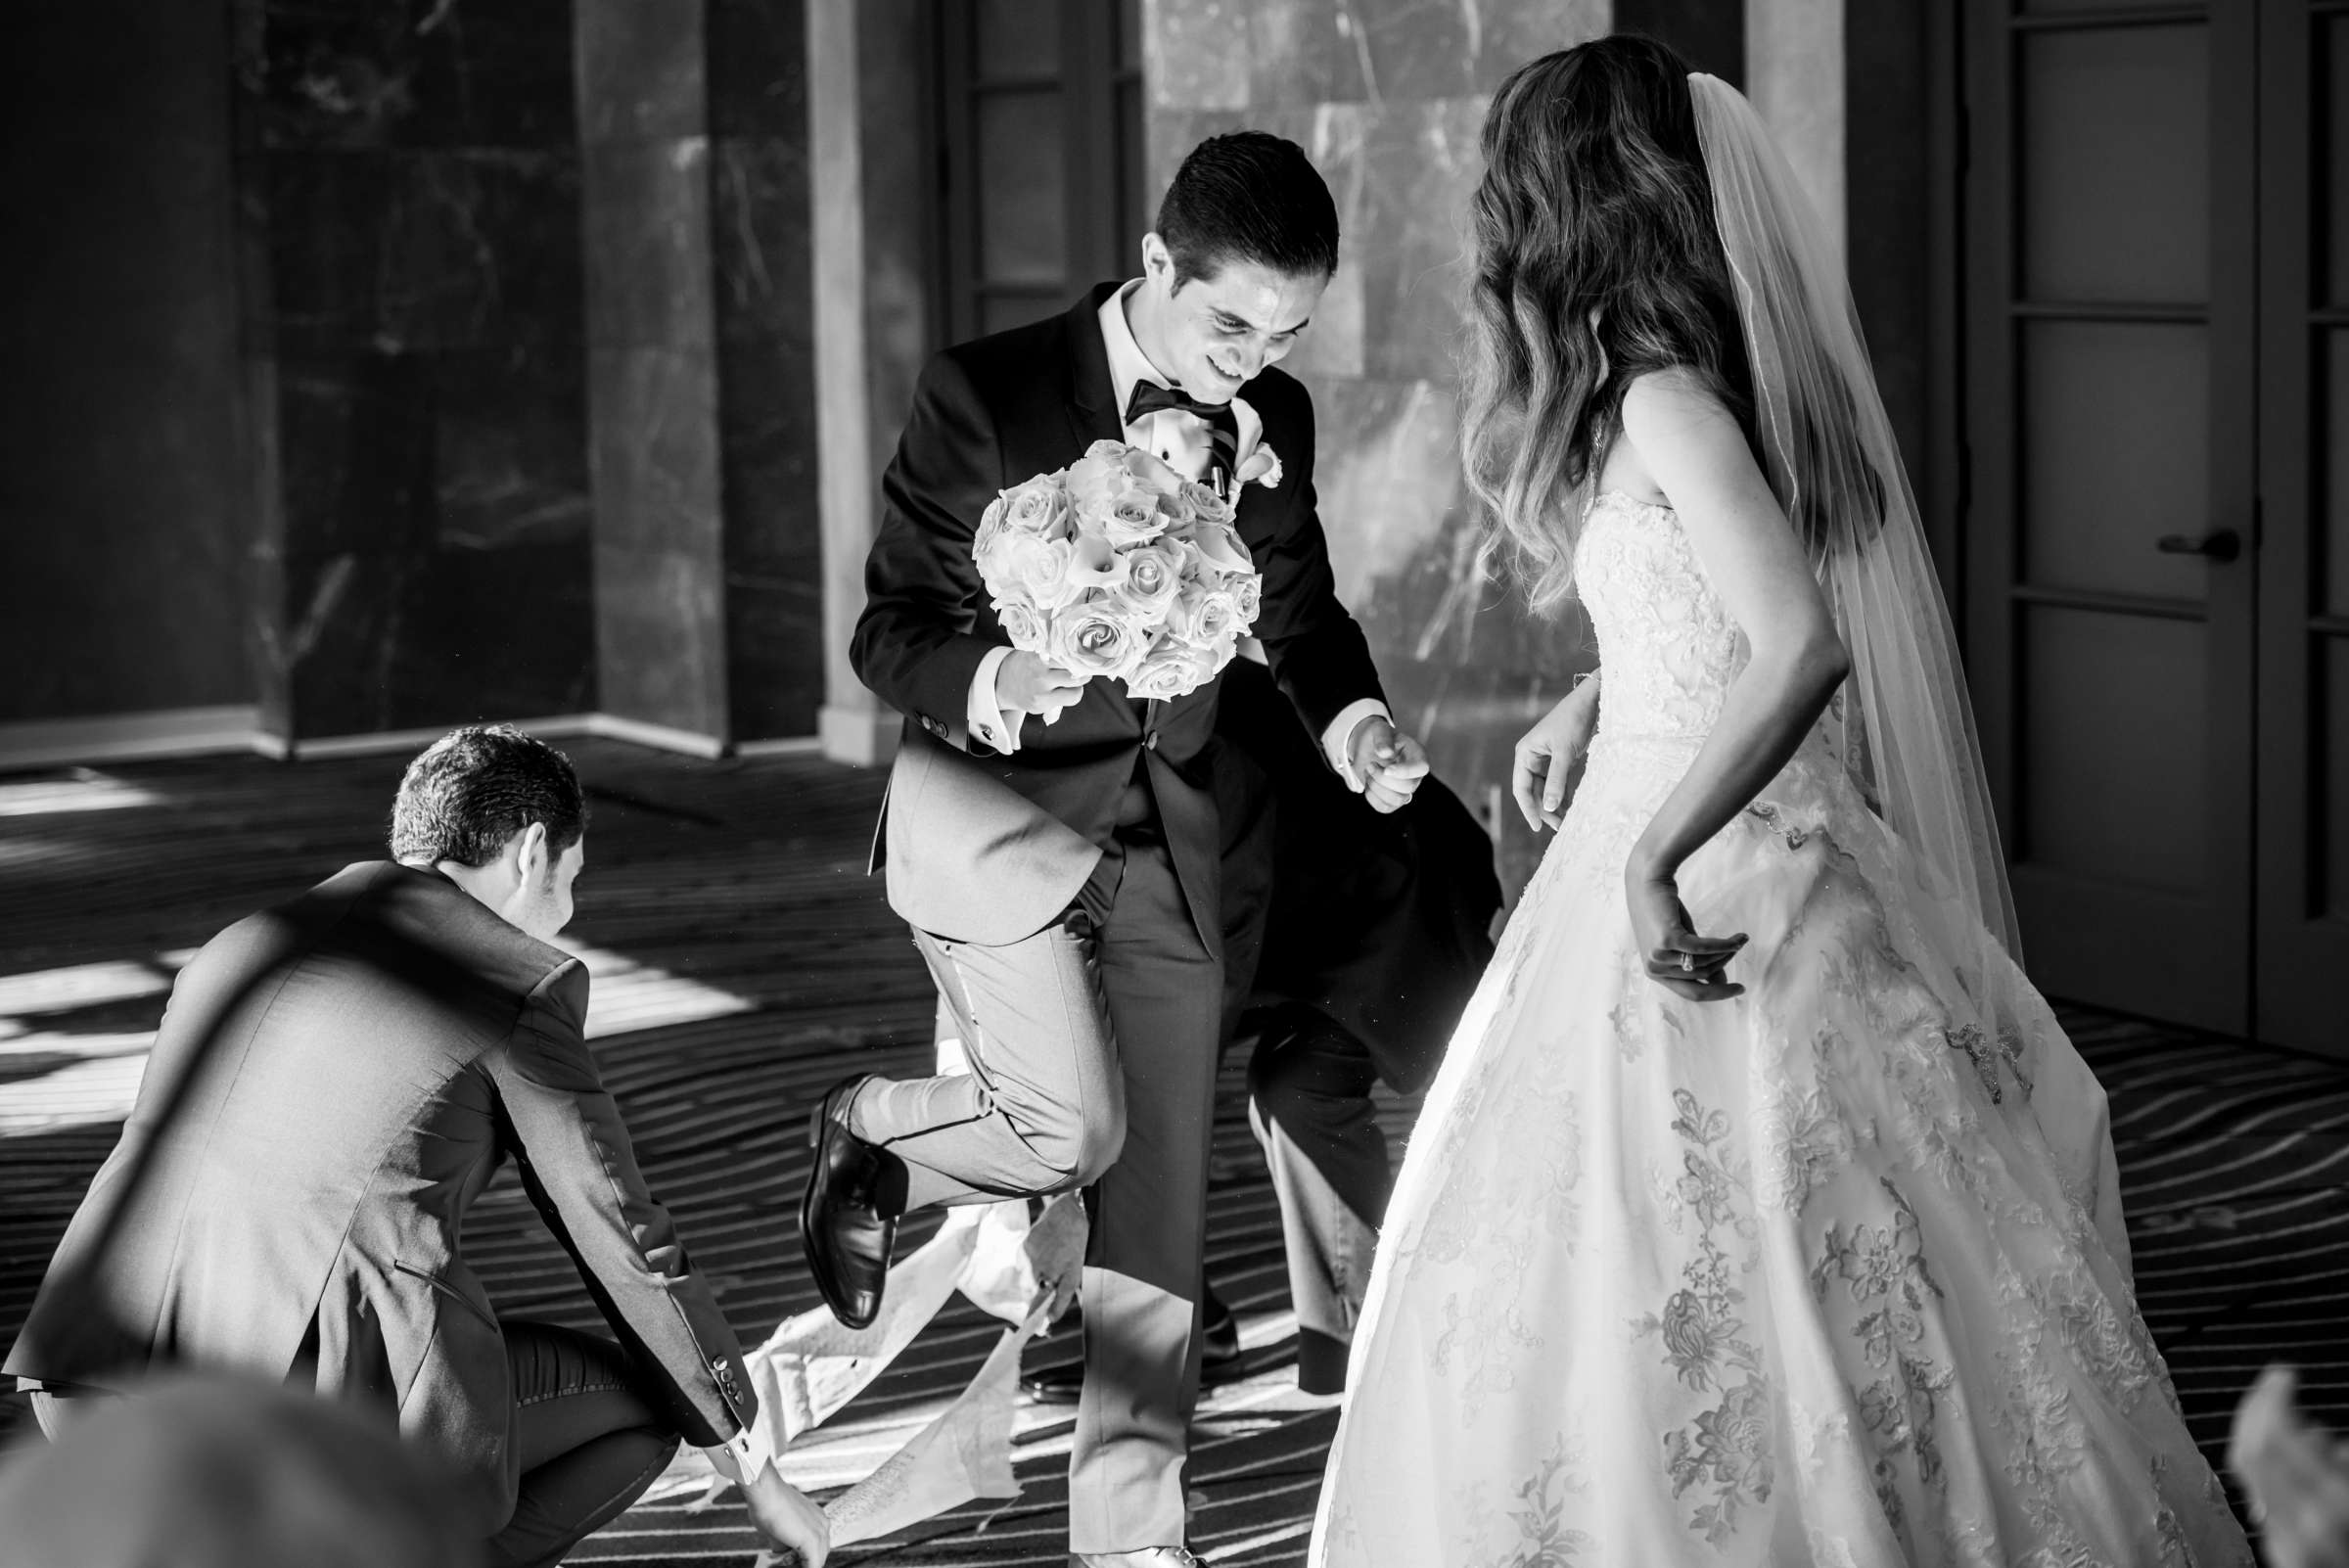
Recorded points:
1864,1212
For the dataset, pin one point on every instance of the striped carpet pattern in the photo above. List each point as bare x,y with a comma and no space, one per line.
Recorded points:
743,962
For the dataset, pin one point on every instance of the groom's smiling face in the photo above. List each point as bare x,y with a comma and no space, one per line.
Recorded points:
1214,334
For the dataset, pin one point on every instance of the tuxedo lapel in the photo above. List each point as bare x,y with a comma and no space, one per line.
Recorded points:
1094,412
1094,416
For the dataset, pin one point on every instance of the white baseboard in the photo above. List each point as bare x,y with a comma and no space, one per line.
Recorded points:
781,746
555,727
375,743
660,737
857,736
130,737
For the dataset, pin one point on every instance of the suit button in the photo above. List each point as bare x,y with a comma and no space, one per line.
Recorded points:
1152,743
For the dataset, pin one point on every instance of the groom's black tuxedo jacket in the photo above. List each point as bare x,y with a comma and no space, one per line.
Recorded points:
967,855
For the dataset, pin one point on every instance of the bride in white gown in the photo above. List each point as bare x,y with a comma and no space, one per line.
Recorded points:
1796,1243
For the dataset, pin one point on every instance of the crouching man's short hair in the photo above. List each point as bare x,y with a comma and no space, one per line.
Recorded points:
471,790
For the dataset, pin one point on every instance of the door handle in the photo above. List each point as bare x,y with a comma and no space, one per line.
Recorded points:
2220,544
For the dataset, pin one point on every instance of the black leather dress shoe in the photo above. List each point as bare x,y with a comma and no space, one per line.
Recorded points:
1220,1360
848,1214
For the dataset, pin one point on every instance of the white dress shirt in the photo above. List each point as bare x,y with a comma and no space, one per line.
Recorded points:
1181,440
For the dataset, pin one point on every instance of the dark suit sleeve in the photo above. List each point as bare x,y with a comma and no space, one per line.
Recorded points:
1315,650
914,645
581,1172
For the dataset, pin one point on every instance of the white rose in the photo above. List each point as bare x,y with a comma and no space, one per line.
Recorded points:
1098,637
1034,569
1248,596
990,530
1040,507
1204,613
1204,504
1219,547
1153,577
1022,623
1096,477
1132,517
990,549
1172,669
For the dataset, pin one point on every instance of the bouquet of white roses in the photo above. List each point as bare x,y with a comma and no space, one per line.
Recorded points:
1118,566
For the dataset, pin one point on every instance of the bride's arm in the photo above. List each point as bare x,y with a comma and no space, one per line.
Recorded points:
1550,751
1692,449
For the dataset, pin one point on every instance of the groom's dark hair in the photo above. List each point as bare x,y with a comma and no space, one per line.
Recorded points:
1248,195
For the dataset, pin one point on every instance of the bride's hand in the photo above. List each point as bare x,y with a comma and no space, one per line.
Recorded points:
1548,752
1678,958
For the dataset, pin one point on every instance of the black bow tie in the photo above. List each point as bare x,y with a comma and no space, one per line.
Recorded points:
1222,426
1149,397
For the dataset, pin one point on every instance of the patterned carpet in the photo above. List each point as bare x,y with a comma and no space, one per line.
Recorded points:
743,962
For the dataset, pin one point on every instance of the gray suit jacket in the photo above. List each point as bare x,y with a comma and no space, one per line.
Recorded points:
334,1081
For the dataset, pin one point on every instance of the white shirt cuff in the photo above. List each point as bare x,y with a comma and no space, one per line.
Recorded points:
750,1450
988,719
1341,730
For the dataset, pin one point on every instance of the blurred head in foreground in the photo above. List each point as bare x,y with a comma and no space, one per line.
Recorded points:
224,1472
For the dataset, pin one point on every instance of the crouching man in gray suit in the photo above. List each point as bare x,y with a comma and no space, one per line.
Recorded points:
336,1079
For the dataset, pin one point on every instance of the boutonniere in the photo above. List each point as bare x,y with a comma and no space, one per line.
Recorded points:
1254,460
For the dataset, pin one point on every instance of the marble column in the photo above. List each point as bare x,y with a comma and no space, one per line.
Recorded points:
660,570
693,135
1388,98
763,311
1794,75
871,313
408,199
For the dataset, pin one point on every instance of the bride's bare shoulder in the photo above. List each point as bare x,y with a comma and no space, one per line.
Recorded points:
1673,403
1676,424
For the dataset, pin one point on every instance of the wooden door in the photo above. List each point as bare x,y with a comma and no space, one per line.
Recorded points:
1039,109
2302,934
2110,419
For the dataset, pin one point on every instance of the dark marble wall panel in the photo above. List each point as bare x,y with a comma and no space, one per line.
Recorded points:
1387,96
382,74
757,84
1709,33
659,613
760,256
125,537
411,188
405,639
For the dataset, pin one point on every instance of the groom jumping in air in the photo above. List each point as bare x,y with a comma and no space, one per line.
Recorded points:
1054,841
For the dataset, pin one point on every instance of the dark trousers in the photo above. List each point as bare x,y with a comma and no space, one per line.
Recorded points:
587,1442
1310,1077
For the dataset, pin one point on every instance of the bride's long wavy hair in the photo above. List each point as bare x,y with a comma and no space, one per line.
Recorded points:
1598,260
